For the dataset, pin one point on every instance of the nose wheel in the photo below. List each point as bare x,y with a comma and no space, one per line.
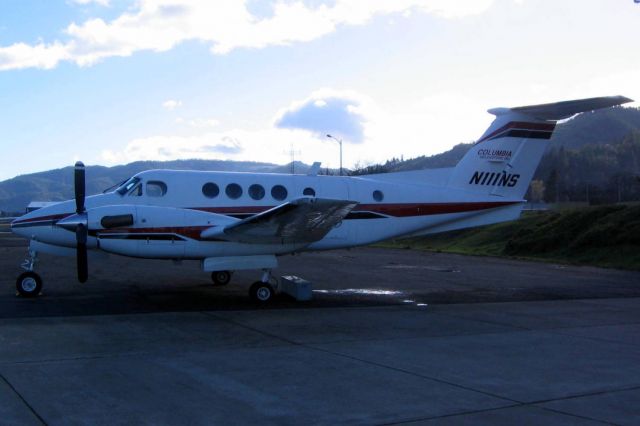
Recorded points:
29,284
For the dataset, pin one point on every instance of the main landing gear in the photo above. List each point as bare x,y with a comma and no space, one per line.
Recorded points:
29,284
262,292
221,277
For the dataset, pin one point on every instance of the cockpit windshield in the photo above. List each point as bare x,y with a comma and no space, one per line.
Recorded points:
114,187
128,186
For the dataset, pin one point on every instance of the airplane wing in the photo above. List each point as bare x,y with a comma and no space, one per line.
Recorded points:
303,220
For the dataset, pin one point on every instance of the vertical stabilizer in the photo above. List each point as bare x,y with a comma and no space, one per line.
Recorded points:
502,162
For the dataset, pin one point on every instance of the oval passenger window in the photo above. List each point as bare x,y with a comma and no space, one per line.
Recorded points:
210,190
279,192
233,191
256,191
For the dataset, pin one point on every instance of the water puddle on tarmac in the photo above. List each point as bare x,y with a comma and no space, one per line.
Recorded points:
361,291
427,268
371,292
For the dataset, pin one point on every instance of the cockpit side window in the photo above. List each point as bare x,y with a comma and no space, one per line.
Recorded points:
136,191
129,186
156,188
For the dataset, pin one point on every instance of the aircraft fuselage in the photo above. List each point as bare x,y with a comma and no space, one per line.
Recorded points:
172,208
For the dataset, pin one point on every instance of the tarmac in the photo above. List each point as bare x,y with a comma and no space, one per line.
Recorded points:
392,336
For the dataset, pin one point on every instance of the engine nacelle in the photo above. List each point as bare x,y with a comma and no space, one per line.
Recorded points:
156,232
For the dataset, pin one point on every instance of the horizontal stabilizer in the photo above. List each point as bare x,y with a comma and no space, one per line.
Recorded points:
561,110
304,220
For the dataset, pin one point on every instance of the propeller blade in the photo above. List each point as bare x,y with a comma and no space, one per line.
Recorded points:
79,186
81,253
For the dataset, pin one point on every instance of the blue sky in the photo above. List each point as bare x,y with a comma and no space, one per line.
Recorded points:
114,81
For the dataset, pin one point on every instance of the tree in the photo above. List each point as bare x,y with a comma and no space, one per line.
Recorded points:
552,186
537,190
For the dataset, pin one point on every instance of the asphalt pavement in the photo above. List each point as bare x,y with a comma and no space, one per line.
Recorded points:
391,336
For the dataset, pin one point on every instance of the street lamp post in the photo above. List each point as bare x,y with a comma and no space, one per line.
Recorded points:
339,143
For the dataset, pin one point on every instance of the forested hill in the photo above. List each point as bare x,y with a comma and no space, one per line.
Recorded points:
597,127
596,173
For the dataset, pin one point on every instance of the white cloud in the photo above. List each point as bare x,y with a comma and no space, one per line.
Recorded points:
21,55
198,123
84,2
160,25
162,148
342,114
233,144
171,104
427,127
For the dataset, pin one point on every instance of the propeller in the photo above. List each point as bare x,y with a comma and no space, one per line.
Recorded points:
81,253
79,223
81,228
79,187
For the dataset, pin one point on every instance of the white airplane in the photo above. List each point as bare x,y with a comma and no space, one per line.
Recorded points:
234,221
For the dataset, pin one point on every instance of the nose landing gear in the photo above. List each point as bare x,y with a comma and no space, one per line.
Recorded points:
29,284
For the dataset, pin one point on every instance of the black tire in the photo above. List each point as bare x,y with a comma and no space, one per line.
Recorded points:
261,293
29,284
221,277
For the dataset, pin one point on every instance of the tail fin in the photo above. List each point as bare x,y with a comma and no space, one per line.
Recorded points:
502,162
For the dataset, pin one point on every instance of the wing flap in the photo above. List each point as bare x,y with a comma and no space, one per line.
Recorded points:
304,220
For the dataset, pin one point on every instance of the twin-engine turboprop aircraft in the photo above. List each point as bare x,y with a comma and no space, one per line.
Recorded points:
233,221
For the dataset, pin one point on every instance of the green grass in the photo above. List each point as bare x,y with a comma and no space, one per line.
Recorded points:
607,236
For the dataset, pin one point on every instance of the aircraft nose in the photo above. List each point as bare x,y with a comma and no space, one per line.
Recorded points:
17,229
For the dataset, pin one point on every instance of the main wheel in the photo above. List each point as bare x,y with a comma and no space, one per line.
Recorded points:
261,292
29,284
221,277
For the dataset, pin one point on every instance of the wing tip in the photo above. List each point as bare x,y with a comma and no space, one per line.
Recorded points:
624,99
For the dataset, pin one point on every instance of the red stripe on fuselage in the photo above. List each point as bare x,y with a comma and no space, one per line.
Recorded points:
192,232
233,210
424,209
42,218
